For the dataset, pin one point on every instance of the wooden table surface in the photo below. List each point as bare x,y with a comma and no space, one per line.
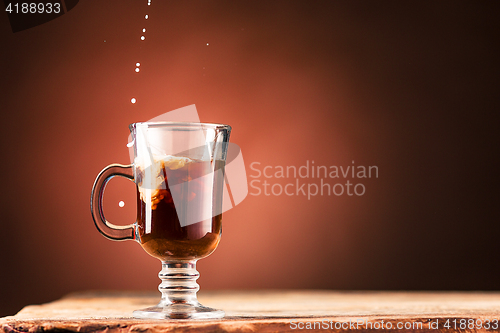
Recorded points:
270,311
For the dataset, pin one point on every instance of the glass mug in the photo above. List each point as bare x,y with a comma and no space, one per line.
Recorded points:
179,172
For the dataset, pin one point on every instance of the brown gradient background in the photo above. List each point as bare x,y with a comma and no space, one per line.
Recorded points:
411,87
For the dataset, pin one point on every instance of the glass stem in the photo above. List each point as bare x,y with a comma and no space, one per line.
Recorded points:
178,283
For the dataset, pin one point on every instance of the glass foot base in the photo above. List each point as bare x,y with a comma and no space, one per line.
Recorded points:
179,311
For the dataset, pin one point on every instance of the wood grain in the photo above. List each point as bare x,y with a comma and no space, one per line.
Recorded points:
268,311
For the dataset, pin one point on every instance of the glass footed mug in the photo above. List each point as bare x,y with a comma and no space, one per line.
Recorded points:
179,172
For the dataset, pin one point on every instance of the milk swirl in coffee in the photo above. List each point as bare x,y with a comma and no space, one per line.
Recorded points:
178,215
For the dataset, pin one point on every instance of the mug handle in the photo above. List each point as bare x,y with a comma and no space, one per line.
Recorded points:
109,230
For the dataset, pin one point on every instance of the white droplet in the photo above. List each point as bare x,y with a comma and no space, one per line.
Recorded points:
143,38
146,17
144,30
121,204
133,100
137,70
137,64
207,44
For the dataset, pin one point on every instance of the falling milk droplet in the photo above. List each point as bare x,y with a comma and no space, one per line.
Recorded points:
137,70
121,204
146,17
133,100
143,38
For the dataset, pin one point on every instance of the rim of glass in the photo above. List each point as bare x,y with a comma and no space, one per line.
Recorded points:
180,125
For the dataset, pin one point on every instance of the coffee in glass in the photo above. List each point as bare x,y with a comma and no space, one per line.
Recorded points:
179,172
